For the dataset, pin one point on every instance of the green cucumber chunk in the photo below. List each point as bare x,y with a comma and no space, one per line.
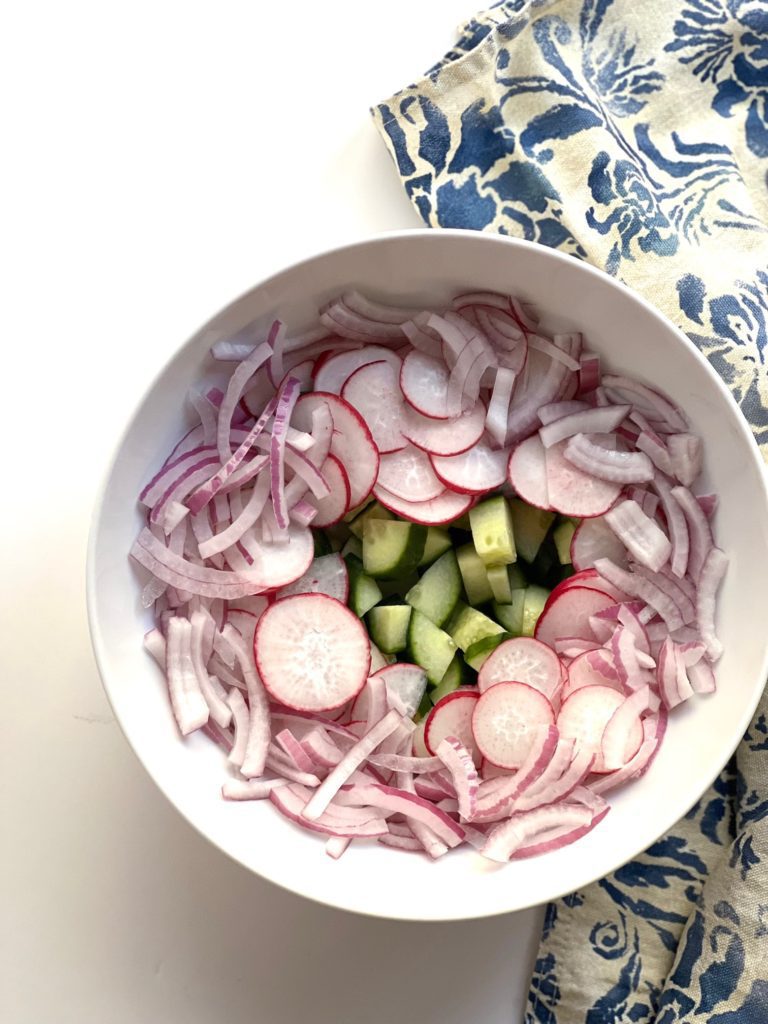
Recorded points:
562,536
473,575
353,547
388,626
391,548
364,592
438,590
430,647
510,614
371,511
468,625
456,675
535,599
478,652
492,531
437,543
504,579
531,526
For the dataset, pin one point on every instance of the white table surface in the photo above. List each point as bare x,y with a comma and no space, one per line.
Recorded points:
159,158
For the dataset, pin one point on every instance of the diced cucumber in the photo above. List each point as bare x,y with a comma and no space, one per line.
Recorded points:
424,708
372,511
479,651
473,575
392,548
563,535
531,526
364,592
492,531
456,675
535,599
355,512
430,647
399,588
438,541
322,544
388,626
468,625
438,590
353,547
510,614
504,579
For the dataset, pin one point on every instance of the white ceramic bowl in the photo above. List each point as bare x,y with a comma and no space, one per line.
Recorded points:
415,267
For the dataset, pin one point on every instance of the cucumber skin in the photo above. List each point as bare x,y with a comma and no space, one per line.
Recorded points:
425,642
388,626
409,555
439,589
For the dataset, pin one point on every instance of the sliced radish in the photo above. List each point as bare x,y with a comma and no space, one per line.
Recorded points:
573,492
505,722
452,716
302,372
419,747
585,671
351,443
527,472
567,613
584,716
338,502
337,369
594,539
444,509
475,471
617,746
424,383
406,685
277,564
444,437
408,474
589,578
522,660
374,390
312,652
326,575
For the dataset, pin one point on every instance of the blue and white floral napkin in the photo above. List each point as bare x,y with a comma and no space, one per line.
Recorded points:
632,134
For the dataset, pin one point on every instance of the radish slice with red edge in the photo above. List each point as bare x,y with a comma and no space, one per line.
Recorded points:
351,442
522,660
424,384
312,652
334,507
622,726
585,671
584,716
567,613
409,475
452,716
337,369
444,437
374,390
505,719
527,472
573,491
475,471
443,509
326,575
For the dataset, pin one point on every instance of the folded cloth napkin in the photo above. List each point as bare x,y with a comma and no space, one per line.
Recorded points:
635,136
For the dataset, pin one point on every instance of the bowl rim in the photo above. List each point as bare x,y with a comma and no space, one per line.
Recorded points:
378,238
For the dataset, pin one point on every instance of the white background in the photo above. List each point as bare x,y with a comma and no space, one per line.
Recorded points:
158,159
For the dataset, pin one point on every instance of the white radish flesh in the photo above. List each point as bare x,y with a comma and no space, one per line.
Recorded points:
505,722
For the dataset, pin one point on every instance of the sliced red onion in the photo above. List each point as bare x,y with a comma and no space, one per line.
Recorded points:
279,340
701,677
294,751
559,410
686,455
433,846
245,520
513,834
190,478
573,646
559,761
201,637
187,701
606,464
291,802
699,530
458,760
259,729
422,338
250,789
335,846
352,760
656,450
540,385
286,400
372,310
643,538
322,750
181,573
281,764
707,503
398,801
633,769
377,700
322,434
589,372
498,408
614,744
637,586
647,399
544,345
338,317
673,588
241,719
406,763
154,642
590,421
242,374
712,573
409,843
303,513
677,526
558,789
667,676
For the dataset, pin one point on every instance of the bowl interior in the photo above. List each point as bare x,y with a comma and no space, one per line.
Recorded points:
420,267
